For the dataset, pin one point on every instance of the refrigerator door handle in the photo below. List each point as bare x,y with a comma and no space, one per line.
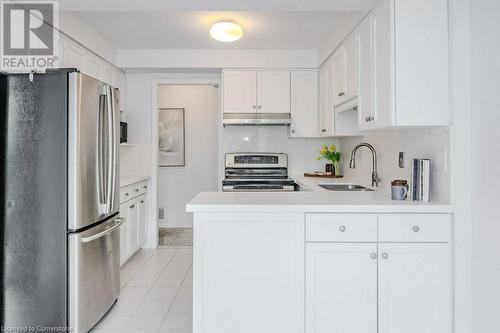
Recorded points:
119,222
113,142
110,162
101,157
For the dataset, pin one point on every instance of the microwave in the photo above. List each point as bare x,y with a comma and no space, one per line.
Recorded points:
123,132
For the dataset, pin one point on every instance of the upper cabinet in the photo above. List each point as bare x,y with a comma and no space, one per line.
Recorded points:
304,106
73,55
409,60
326,118
248,91
345,72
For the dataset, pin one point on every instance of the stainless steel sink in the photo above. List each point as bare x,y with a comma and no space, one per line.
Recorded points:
344,187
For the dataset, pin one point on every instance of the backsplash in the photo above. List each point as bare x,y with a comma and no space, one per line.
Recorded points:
302,153
432,143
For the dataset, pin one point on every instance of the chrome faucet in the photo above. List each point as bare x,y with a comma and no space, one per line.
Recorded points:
375,178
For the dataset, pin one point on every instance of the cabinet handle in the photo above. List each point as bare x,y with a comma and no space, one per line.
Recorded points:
342,228
293,131
142,201
373,255
323,130
126,194
341,94
259,107
371,118
137,190
145,186
385,255
416,228
132,206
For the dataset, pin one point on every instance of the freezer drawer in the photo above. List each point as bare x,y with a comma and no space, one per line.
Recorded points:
94,272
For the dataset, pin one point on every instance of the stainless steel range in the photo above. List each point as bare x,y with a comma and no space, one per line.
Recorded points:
257,172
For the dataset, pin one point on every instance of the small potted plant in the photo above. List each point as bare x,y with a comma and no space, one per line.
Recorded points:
331,154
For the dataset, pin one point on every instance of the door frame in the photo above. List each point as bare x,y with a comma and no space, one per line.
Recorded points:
152,237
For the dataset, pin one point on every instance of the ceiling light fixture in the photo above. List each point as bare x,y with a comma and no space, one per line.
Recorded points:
226,31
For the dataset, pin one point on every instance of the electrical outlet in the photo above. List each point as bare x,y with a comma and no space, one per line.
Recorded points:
161,213
401,160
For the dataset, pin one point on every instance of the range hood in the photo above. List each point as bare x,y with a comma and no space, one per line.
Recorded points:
231,119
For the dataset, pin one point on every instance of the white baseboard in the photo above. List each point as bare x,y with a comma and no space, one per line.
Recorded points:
180,223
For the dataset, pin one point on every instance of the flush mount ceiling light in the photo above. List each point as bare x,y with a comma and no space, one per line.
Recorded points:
226,31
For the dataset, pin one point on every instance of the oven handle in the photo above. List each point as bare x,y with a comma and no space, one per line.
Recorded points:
119,220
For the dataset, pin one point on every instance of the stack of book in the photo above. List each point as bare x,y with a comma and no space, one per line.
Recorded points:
421,179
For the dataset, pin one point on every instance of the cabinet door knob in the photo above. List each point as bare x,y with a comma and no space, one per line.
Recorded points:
323,130
254,107
137,190
293,131
145,186
142,201
385,255
132,206
371,118
126,194
259,107
342,228
341,94
416,228
373,255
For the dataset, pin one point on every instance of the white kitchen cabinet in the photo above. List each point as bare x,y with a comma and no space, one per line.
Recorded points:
273,91
326,119
250,91
365,73
345,72
249,272
304,105
410,64
133,223
414,288
239,91
341,287
134,207
124,234
72,55
142,211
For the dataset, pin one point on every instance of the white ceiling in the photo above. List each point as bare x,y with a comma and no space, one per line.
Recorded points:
189,30
216,5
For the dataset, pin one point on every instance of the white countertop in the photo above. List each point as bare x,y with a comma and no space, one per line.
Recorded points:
314,199
132,179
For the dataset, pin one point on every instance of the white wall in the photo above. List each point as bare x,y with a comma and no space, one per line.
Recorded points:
422,143
145,59
136,159
342,29
71,25
485,156
302,153
139,88
178,185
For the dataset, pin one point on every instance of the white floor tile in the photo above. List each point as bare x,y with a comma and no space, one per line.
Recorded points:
178,321
156,294
150,321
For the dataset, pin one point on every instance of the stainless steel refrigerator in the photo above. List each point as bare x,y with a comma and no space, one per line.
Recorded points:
59,216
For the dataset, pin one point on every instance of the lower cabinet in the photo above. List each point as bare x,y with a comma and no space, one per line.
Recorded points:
341,288
384,287
414,288
133,231
249,273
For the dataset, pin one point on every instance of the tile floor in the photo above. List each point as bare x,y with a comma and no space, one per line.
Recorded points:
156,295
177,237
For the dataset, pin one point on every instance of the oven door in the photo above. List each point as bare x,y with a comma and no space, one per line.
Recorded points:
94,273
261,185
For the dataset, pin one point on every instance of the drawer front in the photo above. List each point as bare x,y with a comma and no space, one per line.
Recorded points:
125,193
133,190
414,227
341,227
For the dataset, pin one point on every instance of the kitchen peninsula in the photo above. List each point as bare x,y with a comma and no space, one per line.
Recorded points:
319,259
